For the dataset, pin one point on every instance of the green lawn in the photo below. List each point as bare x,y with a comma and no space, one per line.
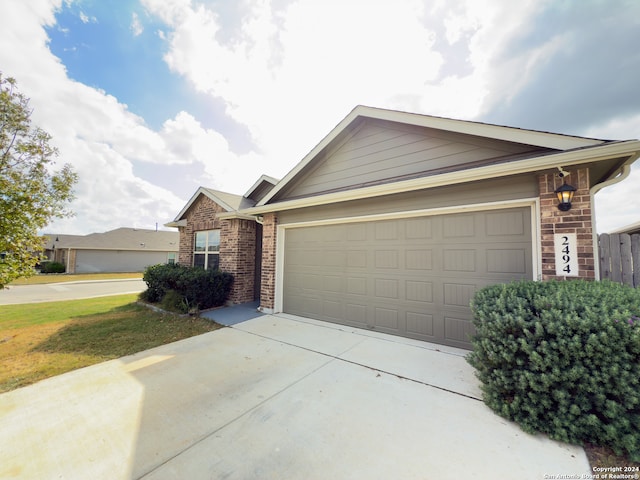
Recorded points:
46,339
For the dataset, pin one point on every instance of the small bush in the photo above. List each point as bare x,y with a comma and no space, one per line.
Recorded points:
174,302
52,267
562,358
197,288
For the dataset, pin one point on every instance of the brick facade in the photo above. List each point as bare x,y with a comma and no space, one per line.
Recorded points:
201,216
577,220
268,283
237,245
238,256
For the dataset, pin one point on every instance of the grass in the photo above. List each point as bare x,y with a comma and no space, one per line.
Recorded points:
42,340
73,277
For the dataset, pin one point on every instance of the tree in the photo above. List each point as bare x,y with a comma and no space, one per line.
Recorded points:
32,193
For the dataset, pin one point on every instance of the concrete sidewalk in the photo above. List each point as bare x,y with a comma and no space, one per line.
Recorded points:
272,397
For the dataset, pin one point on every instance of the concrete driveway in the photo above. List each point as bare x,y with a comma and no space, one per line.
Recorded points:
276,397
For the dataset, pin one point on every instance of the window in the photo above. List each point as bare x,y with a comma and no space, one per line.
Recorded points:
171,258
206,253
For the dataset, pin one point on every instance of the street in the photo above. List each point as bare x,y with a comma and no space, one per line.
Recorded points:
69,291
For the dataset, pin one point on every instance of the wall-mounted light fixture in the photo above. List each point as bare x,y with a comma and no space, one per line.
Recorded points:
564,192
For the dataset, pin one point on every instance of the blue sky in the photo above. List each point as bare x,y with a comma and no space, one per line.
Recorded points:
116,46
150,99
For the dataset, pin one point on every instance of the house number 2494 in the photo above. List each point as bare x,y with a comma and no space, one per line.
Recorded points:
566,254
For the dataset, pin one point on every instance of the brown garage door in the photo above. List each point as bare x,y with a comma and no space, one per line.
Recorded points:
412,277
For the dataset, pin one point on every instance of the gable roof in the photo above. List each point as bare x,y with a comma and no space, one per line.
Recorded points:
119,239
262,187
548,150
228,201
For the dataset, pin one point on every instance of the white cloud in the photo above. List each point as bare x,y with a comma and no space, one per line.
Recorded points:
288,73
93,131
136,25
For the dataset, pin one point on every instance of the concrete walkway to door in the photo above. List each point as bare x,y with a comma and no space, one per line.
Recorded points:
271,398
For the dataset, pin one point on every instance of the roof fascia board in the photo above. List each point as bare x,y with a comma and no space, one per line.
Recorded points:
498,132
629,148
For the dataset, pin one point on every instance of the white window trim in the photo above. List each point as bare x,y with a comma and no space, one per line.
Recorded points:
205,252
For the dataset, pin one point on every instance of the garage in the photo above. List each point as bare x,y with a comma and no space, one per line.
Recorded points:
408,276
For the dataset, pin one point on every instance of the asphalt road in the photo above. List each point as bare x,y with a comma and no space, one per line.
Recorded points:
69,291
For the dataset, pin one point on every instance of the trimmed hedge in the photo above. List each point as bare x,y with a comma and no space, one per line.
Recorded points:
52,267
562,358
189,288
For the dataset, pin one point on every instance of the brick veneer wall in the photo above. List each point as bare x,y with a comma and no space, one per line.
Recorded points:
268,283
201,216
238,256
577,220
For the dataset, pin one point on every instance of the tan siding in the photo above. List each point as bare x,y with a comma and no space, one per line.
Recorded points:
379,152
498,190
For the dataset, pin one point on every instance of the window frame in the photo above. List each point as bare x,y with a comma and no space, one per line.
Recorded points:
209,250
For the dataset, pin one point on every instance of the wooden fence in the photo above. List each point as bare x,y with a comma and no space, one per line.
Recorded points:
620,257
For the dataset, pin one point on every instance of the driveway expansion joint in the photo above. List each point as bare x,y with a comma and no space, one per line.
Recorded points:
339,357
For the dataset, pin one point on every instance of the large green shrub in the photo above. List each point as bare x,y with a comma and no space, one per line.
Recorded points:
52,267
562,358
194,287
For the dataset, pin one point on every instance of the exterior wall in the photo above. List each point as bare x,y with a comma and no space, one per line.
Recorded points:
237,256
71,261
577,220
495,190
380,152
94,261
201,216
268,284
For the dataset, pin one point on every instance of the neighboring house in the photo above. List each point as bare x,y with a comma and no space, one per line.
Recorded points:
629,229
394,220
119,250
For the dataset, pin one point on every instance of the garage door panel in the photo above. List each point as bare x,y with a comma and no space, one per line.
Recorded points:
459,260
356,314
386,288
457,226
505,223
458,331
413,277
458,295
419,259
332,309
386,230
419,323
357,285
419,228
419,291
357,259
505,260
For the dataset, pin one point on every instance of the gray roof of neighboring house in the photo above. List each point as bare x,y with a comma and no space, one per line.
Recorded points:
119,239
630,229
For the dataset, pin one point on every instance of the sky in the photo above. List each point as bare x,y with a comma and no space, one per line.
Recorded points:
150,99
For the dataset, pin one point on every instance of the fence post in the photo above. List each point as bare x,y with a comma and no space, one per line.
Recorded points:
605,256
635,255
